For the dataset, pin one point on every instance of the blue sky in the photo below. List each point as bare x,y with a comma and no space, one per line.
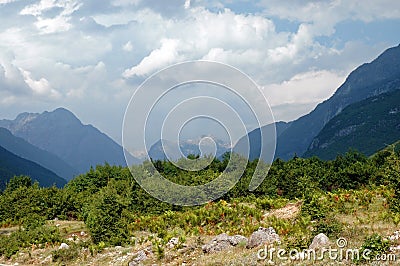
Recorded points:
89,55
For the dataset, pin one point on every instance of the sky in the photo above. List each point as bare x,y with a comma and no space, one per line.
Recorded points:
90,56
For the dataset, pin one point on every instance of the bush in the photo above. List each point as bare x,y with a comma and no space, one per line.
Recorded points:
104,217
329,226
9,245
66,255
315,205
376,244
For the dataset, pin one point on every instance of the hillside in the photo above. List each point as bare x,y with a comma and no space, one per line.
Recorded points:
255,138
104,217
374,78
60,132
12,165
24,149
367,126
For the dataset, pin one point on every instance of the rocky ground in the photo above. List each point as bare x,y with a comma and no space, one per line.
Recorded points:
223,249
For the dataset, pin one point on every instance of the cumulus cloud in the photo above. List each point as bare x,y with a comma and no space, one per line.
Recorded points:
300,94
60,22
165,55
304,88
74,52
41,86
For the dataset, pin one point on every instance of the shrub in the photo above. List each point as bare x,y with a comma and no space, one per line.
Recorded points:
329,226
104,216
376,244
9,245
66,255
315,204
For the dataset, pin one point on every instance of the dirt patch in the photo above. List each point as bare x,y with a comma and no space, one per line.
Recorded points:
290,211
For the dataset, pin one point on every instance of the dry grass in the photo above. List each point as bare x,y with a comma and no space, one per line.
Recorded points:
357,224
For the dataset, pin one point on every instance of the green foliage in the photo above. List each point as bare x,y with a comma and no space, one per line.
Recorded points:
376,244
315,205
366,126
114,207
104,217
17,182
20,202
329,226
66,255
9,245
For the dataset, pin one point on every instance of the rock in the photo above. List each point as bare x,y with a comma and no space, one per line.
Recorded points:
394,248
63,246
263,236
172,242
237,239
140,256
319,241
83,233
218,243
223,241
395,236
47,260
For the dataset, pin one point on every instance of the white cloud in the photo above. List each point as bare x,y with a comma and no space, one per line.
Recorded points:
56,24
103,50
304,88
187,4
41,86
60,22
301,94
3,2
165,55
325,14
125,3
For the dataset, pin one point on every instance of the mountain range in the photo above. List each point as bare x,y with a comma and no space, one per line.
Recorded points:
367,126
12,165
59,141
363,113
380,76
24,149
159,149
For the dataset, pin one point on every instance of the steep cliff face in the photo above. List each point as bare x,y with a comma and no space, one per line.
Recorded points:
366,126
380,76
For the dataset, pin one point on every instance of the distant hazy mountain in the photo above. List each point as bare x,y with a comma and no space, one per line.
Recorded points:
60,132
157,151
24,149
367,126
380,76
12,165
255,137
